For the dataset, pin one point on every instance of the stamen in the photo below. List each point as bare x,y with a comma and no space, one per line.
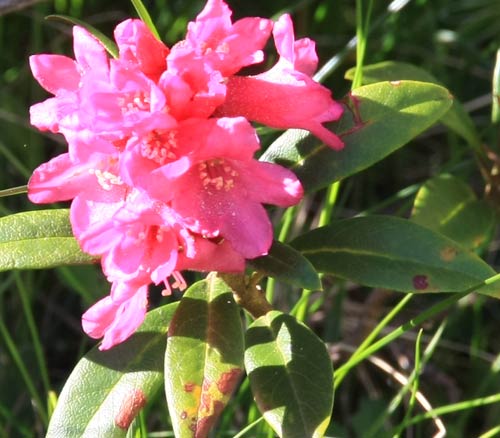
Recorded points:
217,174
106,179
134,102
178,283
158,146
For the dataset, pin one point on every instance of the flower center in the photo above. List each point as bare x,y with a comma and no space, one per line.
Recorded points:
217,174
212,45
106,179
134,102
158,146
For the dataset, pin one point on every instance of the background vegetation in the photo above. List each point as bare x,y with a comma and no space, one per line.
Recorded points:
40,335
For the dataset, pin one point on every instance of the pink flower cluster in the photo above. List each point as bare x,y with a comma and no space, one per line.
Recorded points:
160,163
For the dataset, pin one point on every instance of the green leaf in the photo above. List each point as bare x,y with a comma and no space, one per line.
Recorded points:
107,389
144,16
291,375
448,205
39,239
392,253
378,119
204,357
288,265
106,42
457,119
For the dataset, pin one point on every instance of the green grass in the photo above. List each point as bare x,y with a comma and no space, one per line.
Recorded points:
446,348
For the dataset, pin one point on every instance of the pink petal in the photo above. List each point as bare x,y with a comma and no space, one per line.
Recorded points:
283,100
58,180
231,138
138,45
116,321
55,72
211,256
221,45
44,115
301,54
247,227
230,214
269,183
89,52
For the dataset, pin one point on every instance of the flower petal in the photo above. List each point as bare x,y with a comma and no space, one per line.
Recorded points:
55,73
116,321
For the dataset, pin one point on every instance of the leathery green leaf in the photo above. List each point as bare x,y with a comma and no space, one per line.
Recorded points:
446,204
377,120
107,389
457,119
204,357
291,375
39,239
288,265
392,253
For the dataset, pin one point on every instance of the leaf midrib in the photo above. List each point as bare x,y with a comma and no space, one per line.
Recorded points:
384,256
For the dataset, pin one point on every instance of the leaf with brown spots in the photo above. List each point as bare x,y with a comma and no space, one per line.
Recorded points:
204,357
392,253
133,402
107,389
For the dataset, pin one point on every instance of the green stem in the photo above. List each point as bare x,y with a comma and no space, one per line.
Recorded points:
340,375
301,308
30,320
491,433
419,365
286,227
248,428
331,199
14,191
16,356
362,31
455,407
434,310
247,294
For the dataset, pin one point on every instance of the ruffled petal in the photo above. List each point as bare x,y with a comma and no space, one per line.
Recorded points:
58,180
139,46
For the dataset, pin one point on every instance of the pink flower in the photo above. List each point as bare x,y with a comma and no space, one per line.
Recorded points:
160,166
62,77
285,96
220,44
222,191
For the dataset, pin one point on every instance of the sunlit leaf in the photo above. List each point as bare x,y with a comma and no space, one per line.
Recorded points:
107,389
204,357
378,119
448,205
291,375
457,119
39,239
